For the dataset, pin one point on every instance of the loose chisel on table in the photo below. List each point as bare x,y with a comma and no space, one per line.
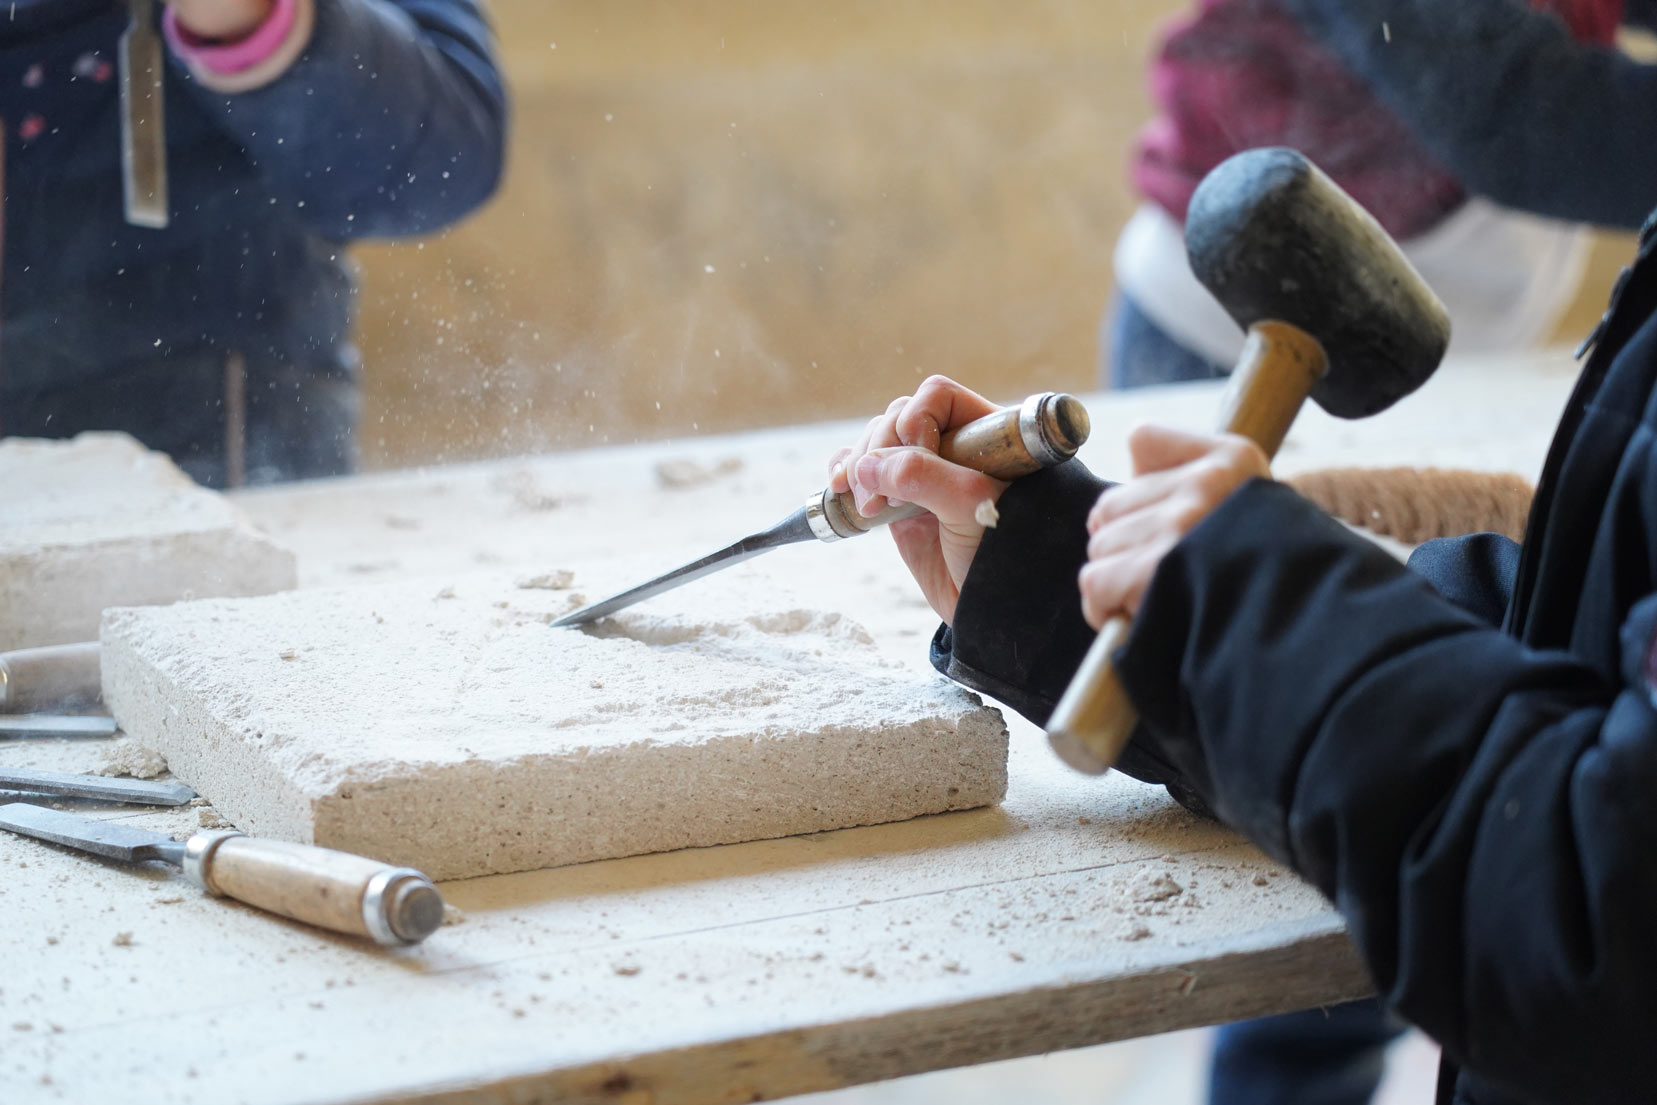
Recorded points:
1044,431
62,726
67,784
43,691
55,678
334,890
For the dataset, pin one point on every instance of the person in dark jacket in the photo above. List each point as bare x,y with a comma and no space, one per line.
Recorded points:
1462,757
292,128
1465,128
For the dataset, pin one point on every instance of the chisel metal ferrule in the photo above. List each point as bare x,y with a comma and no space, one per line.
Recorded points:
198,857
826,519
393,907
1037,428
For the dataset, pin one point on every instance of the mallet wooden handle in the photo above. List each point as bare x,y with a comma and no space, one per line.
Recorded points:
1043,431
335,890
52,677
1279,364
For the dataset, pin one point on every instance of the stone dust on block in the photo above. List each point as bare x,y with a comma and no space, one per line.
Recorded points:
526,491
559,580
128,757
1153,885
210,818
682,472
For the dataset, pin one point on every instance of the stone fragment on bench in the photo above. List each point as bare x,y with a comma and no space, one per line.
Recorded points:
97,521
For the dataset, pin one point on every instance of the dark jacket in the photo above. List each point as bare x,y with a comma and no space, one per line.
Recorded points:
392,122
1524,106
1467,769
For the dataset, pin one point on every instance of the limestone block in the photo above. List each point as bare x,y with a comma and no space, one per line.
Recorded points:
448,727
99,521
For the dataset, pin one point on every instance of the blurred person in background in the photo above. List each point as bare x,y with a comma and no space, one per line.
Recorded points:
1481,134
291,128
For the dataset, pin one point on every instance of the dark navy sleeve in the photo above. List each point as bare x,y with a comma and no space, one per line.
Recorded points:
1482,813
1519,111
1476,572
391,122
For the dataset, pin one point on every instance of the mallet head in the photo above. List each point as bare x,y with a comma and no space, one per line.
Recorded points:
1272,237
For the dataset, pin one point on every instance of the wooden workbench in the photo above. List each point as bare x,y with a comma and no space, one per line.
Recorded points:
714,975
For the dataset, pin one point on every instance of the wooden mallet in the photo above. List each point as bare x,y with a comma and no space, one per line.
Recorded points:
1333,310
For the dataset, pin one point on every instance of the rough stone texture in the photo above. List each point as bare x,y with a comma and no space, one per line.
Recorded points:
446,726
99,521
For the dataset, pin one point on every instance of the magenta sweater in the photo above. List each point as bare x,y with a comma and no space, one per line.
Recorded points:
1237,74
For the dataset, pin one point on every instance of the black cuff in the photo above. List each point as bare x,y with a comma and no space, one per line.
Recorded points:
1019,634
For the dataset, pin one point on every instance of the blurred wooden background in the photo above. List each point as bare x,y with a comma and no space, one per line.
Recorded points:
746,212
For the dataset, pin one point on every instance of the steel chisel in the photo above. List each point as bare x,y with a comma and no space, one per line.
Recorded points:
65,784
334,890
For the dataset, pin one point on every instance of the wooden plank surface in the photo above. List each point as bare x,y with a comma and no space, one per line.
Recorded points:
710,975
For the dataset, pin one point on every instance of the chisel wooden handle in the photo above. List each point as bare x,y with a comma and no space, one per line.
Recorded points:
54,677
1043,431
1279,364
335,890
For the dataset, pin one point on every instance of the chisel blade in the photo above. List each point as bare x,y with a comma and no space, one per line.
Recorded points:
143,128
794,528
101,838
57,725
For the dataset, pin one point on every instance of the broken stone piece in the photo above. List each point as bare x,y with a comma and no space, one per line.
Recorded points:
97,521
127,757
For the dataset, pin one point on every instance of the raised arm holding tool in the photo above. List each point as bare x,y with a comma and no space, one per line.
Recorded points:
1333,310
